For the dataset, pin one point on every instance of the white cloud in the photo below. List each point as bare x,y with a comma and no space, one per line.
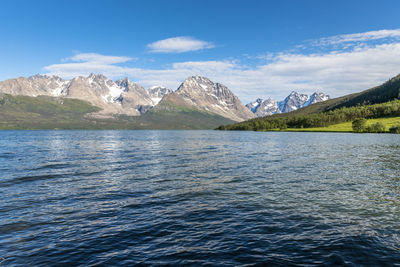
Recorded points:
101,59
85,63
335,72
178,45
360,37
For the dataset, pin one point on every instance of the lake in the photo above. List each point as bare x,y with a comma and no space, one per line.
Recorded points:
110,198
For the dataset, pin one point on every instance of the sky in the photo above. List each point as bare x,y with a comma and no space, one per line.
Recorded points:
259,49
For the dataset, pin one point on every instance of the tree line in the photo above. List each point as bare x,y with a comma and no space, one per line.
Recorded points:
323,119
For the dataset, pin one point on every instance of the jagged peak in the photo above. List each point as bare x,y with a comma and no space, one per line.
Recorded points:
123,82
128,84
295,93
157,86
269,100
197,79
319,94
38,76
99,76
44,76
293,101
159,89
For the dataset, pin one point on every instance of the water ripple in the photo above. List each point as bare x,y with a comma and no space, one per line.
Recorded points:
123,198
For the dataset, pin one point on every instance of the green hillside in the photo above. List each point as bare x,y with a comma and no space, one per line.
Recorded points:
388,91
24,112
174,115
320,120
378,102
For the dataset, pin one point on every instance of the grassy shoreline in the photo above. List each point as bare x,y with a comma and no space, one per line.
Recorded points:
344,127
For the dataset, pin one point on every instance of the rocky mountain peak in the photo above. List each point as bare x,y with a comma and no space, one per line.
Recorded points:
38,76
317,97
126,97
197,83
91,76
253,106
297,96
98,78
212,97
125,82
292,102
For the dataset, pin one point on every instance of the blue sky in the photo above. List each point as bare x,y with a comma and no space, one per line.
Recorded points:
256,48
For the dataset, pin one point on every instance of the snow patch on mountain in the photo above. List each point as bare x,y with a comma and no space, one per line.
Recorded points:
202,93
156,93
114,93
292,102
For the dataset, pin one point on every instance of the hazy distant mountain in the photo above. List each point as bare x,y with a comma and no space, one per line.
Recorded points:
199,93
292,102
158,92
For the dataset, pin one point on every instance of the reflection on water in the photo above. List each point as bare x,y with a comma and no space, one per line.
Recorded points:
198,197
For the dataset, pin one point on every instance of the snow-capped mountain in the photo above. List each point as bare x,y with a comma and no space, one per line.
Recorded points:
254,106
35,85
262,107
315,98
126,97
292,102
119,97
201,93
158,92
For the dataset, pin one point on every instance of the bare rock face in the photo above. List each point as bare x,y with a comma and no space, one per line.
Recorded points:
126,97
120,97
201,93
134,97
35,85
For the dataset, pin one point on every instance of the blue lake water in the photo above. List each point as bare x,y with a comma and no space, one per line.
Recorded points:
120,198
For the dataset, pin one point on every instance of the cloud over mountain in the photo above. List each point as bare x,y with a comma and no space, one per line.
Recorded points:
355,62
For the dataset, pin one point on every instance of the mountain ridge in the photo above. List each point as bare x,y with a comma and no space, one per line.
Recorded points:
200,93
113,97
292,102
377,102
197,104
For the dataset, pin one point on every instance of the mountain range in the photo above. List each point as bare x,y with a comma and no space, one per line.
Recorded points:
292,102
129,98
119,97
380,103
197,101
200,93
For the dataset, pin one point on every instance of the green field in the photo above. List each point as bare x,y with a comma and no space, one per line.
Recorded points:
347,127
43,112
378,104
